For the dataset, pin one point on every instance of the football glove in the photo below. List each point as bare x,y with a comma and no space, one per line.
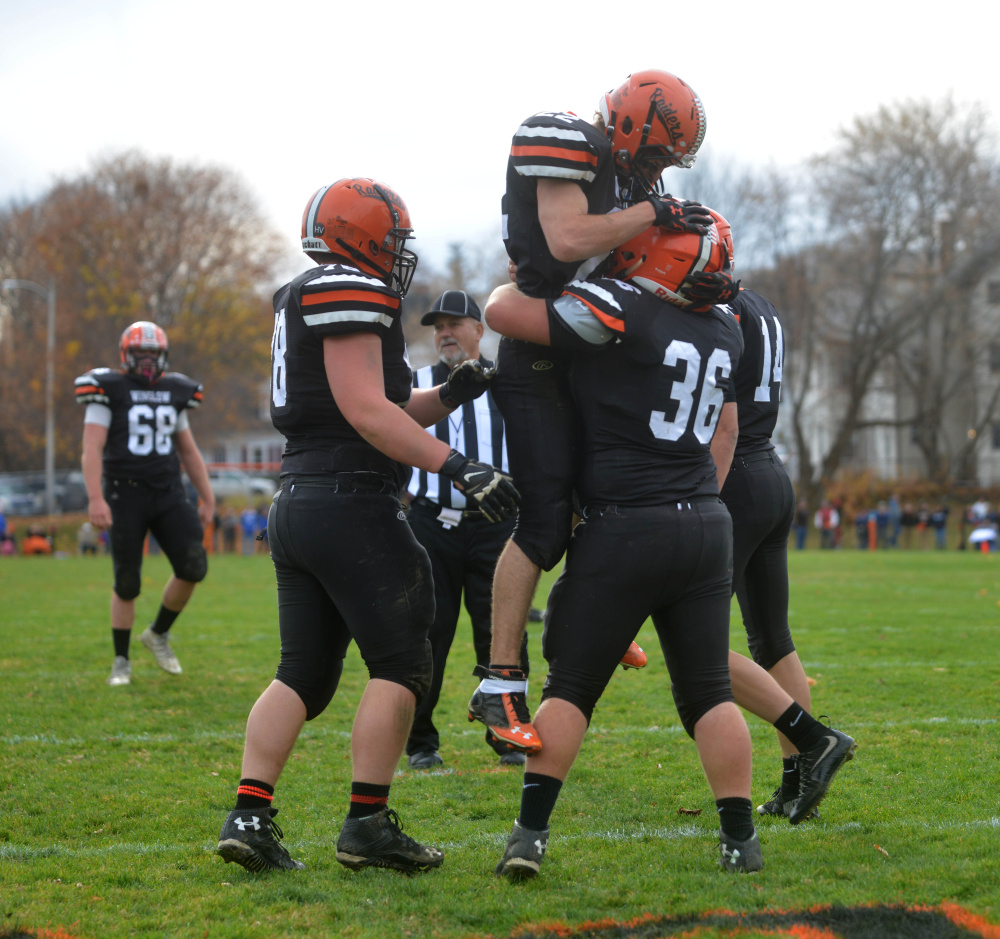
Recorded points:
705,290
677,216
493,491
466,382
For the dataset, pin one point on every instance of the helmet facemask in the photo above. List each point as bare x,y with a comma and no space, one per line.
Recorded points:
404,263
147,365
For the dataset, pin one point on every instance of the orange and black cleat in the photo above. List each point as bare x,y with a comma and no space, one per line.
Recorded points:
500,703
634,658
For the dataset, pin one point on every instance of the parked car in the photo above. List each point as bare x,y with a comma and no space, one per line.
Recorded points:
18,498
71,493
237,484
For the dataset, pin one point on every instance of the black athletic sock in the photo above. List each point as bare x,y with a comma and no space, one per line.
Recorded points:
790,778
121,637
253,794
538,799
367,799
800,727
735,818
164,620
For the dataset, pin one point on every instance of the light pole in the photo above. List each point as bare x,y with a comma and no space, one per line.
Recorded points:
50,347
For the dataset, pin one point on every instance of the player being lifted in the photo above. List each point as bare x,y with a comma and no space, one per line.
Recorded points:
566,180
136,433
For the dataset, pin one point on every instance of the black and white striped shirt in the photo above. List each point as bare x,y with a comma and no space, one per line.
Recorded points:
474,429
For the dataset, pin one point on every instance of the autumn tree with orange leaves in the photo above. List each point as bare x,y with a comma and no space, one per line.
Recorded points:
136,239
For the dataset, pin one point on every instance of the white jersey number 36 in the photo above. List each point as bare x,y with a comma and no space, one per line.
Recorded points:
700,405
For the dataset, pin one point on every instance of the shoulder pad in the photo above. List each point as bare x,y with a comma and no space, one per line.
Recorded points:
188,386
556,145
92,387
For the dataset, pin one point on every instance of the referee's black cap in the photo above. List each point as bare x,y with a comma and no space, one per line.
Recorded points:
453,303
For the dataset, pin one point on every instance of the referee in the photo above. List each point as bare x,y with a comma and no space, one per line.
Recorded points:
463,546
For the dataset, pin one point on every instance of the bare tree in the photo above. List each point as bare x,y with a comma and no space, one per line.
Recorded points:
907,207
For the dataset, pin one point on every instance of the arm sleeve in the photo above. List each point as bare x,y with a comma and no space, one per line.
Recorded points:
573,325
97,414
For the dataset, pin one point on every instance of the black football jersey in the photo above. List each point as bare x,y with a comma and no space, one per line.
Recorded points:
144,414
331,300
650,398
552,145
758,378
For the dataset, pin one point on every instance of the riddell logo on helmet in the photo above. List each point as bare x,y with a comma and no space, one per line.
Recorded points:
313,244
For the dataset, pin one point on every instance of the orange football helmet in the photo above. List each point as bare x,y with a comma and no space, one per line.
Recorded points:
659,261
725,231
143,349
653,120
365,222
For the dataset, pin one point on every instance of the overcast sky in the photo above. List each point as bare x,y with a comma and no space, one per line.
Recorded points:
426,95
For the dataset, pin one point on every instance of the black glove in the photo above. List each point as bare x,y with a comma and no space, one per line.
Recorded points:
466,382
492,490
705,290
673,215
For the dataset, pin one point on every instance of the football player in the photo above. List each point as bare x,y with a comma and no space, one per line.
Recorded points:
761,500
566,181
348,566
652,376
136,432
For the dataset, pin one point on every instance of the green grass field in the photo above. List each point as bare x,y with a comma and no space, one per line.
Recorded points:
113,797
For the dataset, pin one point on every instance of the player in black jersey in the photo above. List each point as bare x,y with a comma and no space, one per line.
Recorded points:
761,501
652,375
347,564
566,181
136,434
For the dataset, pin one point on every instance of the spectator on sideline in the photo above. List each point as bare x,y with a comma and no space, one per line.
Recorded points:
86,539
826,520
939,522
895,518
907,523
923,526
462,544
35,541
248,526
229,523
801,524
882,523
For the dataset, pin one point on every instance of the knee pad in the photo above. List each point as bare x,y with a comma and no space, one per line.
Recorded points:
692,711
128,584
584,701
768,651
412,669
195,565
543,534
317,693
